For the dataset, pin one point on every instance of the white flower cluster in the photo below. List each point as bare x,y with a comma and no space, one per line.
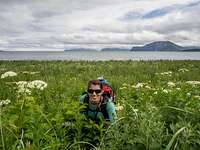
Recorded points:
183,70
168,73
25,86
4,102
37,84
166,91
141,85
31,73
155,93
171,84
193,82
119,107
178,89
197,96
188,94
8,74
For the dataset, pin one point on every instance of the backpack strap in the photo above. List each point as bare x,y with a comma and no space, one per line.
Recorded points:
103,107
86,101
86,98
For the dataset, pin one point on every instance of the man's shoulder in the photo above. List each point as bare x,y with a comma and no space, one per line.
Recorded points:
83,97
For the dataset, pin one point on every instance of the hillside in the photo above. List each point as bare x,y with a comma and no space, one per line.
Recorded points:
158,46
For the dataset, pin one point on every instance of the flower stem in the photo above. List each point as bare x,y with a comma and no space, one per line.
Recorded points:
1,130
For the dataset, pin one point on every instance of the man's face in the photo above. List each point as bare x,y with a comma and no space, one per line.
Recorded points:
95,93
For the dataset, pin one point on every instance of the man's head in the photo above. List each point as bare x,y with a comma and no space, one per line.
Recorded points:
95,91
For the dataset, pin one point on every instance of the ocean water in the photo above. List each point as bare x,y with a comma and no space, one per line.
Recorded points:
97,55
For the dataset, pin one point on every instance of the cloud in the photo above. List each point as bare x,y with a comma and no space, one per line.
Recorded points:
62,23
181,20
169,9
157,13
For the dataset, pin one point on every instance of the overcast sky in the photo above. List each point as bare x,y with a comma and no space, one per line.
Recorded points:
63,24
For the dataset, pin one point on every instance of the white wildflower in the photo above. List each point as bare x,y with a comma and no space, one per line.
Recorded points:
133,86
147,87
24,91
8,74
193,82
37,84
166,91
119,107
188,94
169,73
178,89
26,87
22,87
22,84
197,96
4,102
183,70
171,84
139,85
28,72
156,92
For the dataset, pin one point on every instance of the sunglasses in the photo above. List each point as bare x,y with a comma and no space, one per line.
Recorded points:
96,91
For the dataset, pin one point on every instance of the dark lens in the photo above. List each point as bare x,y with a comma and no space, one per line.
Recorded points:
97,91
92,91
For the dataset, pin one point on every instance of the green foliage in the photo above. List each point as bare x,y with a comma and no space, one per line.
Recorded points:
156,114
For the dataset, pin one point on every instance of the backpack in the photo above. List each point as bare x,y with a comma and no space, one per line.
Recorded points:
107,89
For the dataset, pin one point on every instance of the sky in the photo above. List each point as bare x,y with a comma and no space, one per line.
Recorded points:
95,24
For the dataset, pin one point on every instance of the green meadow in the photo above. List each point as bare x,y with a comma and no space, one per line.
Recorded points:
157,102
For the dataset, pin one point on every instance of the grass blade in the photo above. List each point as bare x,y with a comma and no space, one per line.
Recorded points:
174,138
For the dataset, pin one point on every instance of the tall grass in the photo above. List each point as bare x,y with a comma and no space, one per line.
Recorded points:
156,114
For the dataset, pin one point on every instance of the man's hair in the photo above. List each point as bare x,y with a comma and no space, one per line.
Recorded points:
95,82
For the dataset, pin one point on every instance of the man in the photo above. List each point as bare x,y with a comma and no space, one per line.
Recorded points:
98,106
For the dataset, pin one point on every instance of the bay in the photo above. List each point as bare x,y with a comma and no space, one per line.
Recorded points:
97,55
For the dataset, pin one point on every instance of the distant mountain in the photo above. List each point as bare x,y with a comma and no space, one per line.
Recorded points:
159,46
115,49
154,46
192,50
